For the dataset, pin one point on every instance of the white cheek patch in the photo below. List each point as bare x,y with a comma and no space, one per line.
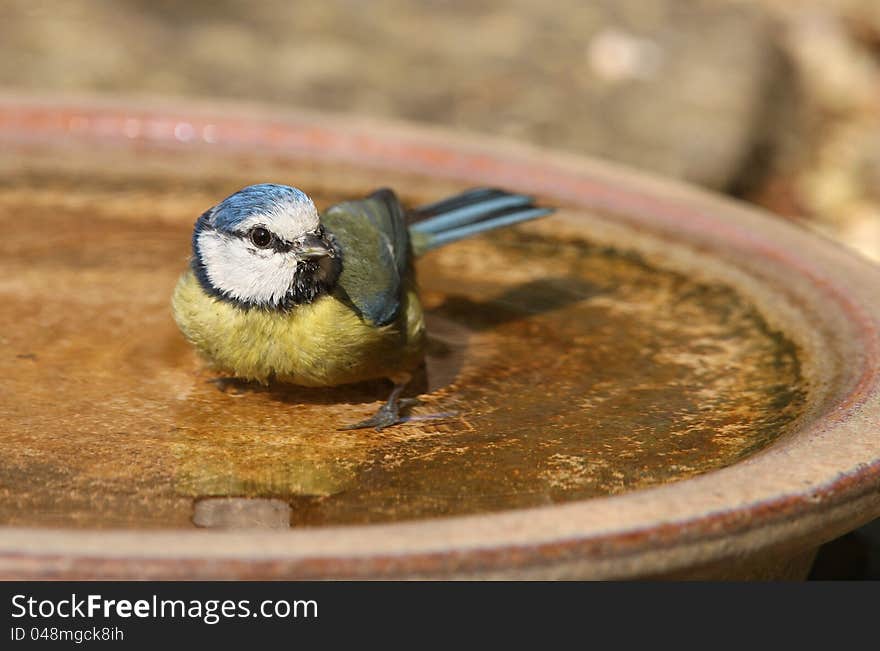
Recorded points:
235,267
288,221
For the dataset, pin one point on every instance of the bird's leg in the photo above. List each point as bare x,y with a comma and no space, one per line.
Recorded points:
231,386
389,413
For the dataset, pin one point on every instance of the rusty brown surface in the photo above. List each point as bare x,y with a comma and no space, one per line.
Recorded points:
567,370
608,370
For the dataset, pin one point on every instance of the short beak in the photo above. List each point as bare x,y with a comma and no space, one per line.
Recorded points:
312,246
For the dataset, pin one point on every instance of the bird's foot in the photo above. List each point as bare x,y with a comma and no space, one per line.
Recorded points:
389,413
385,417
232,386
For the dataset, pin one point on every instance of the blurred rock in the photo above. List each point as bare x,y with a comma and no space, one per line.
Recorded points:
241,513
833,180
773,101
684,88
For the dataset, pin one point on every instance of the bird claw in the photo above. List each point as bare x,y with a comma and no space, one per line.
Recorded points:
386,416
231,386
389,413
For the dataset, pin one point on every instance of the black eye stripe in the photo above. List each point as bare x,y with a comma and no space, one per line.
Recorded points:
275,244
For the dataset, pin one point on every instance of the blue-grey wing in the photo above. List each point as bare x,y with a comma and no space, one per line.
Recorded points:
373,236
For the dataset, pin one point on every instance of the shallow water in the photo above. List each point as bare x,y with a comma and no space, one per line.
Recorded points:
558,369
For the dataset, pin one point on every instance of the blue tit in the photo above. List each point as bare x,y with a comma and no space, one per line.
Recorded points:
275,291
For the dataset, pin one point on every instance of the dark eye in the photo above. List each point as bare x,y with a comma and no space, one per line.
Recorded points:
261,237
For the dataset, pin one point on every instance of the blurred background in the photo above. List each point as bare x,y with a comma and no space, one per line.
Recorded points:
771,101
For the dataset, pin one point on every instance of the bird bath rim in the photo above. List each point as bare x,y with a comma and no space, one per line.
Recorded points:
804,489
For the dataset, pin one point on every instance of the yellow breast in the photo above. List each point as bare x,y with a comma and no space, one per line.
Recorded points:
323,343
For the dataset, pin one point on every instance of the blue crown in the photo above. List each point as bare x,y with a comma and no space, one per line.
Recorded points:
253,200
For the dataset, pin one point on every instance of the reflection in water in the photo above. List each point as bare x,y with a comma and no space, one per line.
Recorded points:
285,440
241,513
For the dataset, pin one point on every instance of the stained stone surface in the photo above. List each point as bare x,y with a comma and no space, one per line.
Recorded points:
558,369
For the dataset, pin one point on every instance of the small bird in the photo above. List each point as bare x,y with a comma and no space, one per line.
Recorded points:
275,291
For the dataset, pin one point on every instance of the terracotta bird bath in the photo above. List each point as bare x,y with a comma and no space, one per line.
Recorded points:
653,382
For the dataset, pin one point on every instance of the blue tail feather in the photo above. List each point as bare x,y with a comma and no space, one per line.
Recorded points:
455,234
461,216
459,200
471,213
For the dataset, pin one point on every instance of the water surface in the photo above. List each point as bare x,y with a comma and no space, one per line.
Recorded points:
558,369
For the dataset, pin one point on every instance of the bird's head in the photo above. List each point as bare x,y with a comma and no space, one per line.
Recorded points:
265,247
